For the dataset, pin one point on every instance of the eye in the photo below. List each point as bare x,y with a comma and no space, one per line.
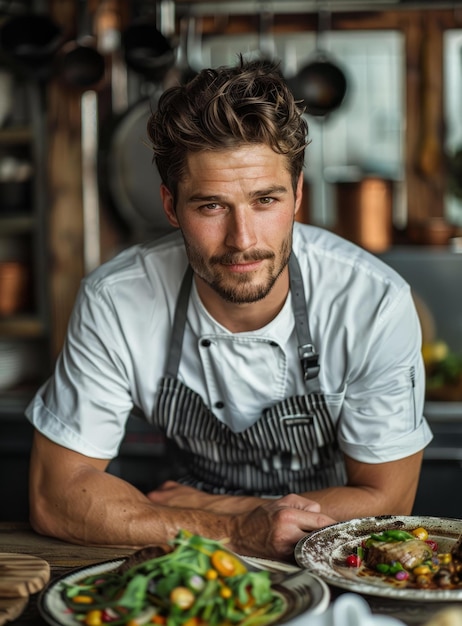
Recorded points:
211,207
266,200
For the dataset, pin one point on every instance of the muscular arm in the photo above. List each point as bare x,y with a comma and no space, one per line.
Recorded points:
379,489
74,499
373,489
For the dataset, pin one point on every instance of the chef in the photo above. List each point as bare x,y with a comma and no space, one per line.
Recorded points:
281,361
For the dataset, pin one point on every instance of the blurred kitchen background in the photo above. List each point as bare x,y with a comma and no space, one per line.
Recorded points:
382,81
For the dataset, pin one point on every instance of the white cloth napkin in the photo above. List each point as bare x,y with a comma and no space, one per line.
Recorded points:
347,610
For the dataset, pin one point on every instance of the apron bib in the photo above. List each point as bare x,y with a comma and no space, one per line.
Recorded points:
292,448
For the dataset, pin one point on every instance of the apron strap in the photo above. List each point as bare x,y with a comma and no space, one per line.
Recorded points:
179,325
309,358
307,353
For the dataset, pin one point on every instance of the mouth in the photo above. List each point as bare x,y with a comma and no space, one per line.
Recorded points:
241,264
241,268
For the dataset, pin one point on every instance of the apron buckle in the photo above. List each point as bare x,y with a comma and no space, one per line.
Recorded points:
309,361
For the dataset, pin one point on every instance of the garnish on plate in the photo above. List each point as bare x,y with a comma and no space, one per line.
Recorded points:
195,583
409,559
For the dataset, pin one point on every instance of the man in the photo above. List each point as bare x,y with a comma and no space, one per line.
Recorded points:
282,360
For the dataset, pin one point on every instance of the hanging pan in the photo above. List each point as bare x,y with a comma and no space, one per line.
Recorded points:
129,179
321,83
80,64
31,41
147,50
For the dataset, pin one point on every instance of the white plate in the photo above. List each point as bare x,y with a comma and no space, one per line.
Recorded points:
304,592
323,552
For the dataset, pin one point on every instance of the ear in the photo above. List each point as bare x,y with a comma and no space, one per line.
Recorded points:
168,204
299,193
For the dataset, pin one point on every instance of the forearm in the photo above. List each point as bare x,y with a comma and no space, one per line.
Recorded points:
174,494
104,510
74,499
99,508
344,503
372,489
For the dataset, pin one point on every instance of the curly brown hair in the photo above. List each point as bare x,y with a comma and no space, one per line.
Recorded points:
225,108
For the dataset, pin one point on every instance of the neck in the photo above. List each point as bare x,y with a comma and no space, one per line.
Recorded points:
238,318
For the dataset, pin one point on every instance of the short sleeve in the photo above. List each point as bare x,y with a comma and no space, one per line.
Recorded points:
382,417
85,405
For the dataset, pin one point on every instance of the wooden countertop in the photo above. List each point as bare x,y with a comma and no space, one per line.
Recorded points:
63,557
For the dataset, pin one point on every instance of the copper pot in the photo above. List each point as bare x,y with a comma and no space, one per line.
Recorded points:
434,231
365,212
14,287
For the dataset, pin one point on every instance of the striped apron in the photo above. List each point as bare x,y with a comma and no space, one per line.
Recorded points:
292,448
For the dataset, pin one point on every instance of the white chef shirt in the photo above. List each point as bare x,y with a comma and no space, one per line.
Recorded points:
362,321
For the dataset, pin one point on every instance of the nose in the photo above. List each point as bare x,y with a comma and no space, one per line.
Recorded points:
240,232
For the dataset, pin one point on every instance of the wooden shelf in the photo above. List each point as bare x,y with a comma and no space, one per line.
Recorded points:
16,224
16,135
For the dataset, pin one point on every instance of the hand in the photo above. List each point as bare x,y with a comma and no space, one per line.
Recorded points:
273,528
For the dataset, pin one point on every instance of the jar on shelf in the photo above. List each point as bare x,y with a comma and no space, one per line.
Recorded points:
15,185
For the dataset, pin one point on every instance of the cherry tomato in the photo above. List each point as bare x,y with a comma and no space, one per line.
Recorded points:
227,564
420,533
353,560
445,558
182,597
81,599
226,592
433,545
93,618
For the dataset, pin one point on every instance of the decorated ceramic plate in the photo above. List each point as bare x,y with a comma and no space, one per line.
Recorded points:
303,592
324,552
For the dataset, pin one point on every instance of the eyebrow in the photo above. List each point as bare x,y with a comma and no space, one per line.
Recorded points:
269,191
258,193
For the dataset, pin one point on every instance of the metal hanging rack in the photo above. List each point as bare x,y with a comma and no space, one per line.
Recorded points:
288,7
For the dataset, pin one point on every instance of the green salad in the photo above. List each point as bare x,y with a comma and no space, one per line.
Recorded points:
198,582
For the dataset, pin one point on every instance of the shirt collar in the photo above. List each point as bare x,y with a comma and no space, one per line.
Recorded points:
202,323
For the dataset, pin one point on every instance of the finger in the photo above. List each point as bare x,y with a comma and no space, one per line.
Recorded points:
168,484
152,495
300,502
321,521
303,519
312,506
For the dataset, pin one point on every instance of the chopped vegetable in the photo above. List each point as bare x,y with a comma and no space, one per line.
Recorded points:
420,533
226,563
182,597
433,545
198,583
353,560
409,558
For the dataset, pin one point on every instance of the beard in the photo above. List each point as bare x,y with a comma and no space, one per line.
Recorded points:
240,288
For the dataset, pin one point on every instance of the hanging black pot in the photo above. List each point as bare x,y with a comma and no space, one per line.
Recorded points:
31,41
147,51
321,84
80,65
